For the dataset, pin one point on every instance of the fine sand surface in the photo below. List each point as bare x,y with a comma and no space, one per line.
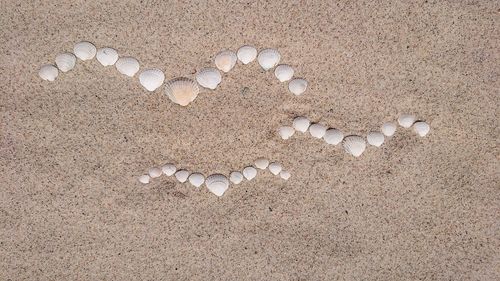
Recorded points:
415,209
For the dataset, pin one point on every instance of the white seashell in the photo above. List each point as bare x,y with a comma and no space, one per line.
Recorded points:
301,124
144,179
182,175
182,90
317,130
297,86
333,136
209,78
151,79
127,65
196,179
285,175
375,138
286,132
406,120
107,56
65,62
283,72
236,177
225,60
388,129
48,72
154,172
261,163
217,184
249,172
268,58
169,169
246,54
275,168
84,50
421,128
355,145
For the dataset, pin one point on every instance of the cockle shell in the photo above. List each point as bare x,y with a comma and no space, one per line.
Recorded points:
65,62
182,175
208,78
268,58
421,128
355,145
261,163
48,72
84,50
154,172
217,184
275,168
182,90
127,65
144,179
285,175
301,124
286,132
169,169
317,130
375,138
246,54
225,60
297,86
333,136
151,79
283,72
107,56
196,179
249,172
388,129
406,120
236,177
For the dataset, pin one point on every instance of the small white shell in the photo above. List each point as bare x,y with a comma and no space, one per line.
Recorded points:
406,120
84,50
261,163
107,56
217,184
236,177
283,72
285,175
209,78
388,129
421,128
225,60
144,179
151,79
127,65
182,175
375,138
286,132
169,169
301,124
65,62
154,172
275,168
249,172
196,179
246,54
182,90
333,136
48,72
355,145
268,58
297,86
317,130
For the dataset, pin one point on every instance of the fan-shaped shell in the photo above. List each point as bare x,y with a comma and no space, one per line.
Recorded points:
297,86
388,129
261,163
301,124
151,79
154,172
286,132
249,172
48,72
275,168
127,65
421,128
375,138
268,58
182,90
169,169
285,175
246,54
406,120
107,56
84,50
196,179
283,72
355,145
236,177
225,60
209,78
66,61
317,130
182,175
144,179
217,184
333,136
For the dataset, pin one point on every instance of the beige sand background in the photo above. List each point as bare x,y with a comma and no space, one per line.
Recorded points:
415,209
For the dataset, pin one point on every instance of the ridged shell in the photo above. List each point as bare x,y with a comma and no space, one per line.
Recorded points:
154,172
261,163
144,179
268,58
151,79
84,50
275,168
182,90
286,132
209,78
333,136
249,172
246,54
236,177
48,72
127,65
317,130
107,56
182,175
297,86
388,129
355,145
225,60
406,120
285,175
169,169
375,138
301,124
196,179
217,184
421,128
65,62
283,72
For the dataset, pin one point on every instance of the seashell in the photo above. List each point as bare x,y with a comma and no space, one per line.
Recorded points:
285,175
169,169
301,124
249,172
246,54
209,78
317,130
217,184
107,56
261,163
196,179
333,136
388,129
236,177
127,65
65,62
297,86
182,175
286,132
375,138
182,90
268,58
84,50
48,72
283,72
151,79
225,60
144,179
154,172
354,145
421,128
406,120
275,168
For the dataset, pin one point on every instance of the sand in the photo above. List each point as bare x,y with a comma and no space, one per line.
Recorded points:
415,209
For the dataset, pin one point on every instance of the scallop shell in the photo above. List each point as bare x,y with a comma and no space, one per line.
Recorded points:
421,128
261,163
84,50
151,79
285,175
355,145
169,169
301,124
406,120
182,90
388,129
209,78
154,172
196,179
286,132
48,72
268,58
65,62
182,175
249,172
107,56
297,86
144,179
375,138
246,54
317,130
217,184
275,168
333,136
283,72
225,60
236,177
127,65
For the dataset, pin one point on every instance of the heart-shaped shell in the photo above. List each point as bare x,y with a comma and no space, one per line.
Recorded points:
144,179
48,72
127,65
154,172
375,138
169,169
236,177
297,86
217,184
286,132
406,120
151,79
317,130
182,175
275,168
301,124
388,129
333,136
261,163
355,145
283,72
84,50
196,179
225,60
182,90
285,175
421,128
268,58
65,62
209,78
107,56
246,54
249,172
